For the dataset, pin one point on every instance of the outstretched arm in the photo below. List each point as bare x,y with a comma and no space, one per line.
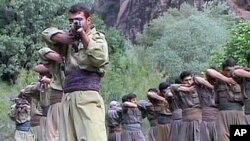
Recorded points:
241,73
203,81
46,54
215,74
154,95
129,104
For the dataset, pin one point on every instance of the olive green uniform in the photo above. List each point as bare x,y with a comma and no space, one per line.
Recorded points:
191,114
230,100
56,91
22,118
78,120
39,106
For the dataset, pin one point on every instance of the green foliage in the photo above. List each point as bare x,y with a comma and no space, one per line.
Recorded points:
237,46
130,72
22,23
10,60
185,39
115,39
154,30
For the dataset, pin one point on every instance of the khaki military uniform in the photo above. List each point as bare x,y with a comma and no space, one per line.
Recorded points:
39,107
230,100
84,70
131,123
176,123
164,119
114,123
191,114
245,87
55,90
209,113
23,126
152,118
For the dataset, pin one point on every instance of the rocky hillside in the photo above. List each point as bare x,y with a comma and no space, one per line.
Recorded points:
130,16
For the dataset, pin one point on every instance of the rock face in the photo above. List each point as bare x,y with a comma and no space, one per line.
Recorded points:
108,10
243,3
241,7
130,16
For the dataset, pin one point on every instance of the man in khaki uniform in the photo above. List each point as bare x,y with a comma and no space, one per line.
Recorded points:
151,112
36,111
174,105
190,104
132,116
83,113
230,99
20,113
51,58
209,107
113,118
164,116
37,91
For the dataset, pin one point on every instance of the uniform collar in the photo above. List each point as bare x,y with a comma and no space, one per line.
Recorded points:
92,31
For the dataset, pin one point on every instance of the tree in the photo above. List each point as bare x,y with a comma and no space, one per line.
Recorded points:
238,45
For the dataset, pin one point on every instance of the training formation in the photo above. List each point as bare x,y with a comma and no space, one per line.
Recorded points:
65,103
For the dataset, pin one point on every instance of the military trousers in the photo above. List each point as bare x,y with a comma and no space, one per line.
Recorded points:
83,117
24,136
53,118
227,118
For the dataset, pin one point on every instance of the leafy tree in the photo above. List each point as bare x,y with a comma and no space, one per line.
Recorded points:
238,45
186,39
131,71
21,24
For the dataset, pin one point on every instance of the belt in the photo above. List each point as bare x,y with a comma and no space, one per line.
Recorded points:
164,119
23,126
209,113
115,129
45,110
191,114
132,127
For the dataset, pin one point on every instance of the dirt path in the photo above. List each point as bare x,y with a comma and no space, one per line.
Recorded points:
241,12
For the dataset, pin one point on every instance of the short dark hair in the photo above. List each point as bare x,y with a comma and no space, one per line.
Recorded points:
185,74
152,90
131,96
230,62
177,80
80,7
163,85
124,98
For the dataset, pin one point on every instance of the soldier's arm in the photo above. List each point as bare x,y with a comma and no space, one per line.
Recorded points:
215,74
241,73
54,35
46,54
202,81
129,104
42,69
179,87
154,95
186,89
97,50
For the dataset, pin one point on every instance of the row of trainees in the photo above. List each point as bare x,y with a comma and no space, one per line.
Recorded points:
194,108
